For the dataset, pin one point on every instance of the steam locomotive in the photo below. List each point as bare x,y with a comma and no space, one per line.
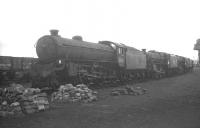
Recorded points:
75,61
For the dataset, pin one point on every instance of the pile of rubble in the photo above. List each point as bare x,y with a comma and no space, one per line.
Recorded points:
17,100
78,93
128,90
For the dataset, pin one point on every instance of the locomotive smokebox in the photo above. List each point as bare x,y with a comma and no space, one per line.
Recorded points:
54,32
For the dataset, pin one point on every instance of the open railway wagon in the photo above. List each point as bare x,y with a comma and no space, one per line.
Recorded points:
63,60
15,69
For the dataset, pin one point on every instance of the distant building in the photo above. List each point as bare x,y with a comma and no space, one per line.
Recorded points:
197,47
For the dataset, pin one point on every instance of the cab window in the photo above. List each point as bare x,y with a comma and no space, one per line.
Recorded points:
120,51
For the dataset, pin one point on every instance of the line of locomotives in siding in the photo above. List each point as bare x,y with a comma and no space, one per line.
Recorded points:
75,61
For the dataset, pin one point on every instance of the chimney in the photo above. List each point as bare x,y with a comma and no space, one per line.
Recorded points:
54,32
77,38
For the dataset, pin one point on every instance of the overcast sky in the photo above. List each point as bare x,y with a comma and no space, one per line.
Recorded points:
170,26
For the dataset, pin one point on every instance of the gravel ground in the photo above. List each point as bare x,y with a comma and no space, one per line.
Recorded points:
169,103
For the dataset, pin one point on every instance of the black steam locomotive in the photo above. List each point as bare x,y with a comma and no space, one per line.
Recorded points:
75,61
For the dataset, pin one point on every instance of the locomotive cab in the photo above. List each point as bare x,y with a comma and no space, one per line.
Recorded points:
121,56
120,51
